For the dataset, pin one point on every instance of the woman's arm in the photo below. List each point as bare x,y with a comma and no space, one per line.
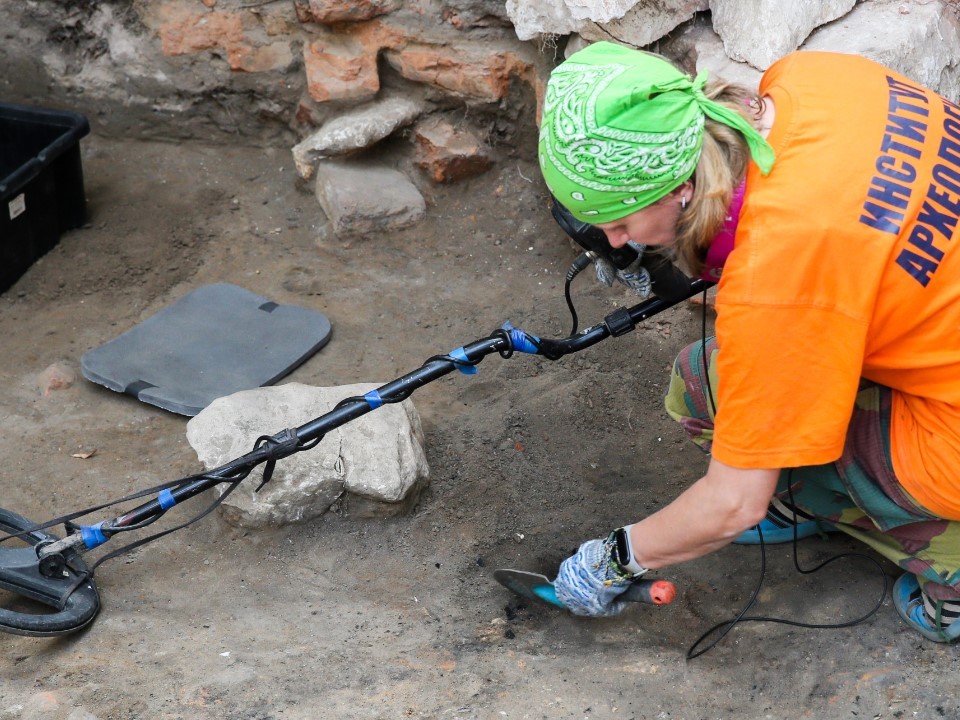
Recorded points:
706,516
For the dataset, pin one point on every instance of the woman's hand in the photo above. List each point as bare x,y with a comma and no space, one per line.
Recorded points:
636,277
705,517
588,582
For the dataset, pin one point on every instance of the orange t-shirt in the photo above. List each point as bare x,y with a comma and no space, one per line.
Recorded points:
846,265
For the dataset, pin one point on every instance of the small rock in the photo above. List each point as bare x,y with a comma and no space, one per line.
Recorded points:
58,376
448,154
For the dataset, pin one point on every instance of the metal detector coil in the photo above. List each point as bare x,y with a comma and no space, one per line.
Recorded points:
67,586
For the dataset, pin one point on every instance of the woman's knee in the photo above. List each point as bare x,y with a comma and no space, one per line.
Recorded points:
693,382
689,399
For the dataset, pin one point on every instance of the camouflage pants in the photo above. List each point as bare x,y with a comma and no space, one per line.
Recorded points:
858,494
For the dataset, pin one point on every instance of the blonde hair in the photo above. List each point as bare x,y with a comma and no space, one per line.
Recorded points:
722,166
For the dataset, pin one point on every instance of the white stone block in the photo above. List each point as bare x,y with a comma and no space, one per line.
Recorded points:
762,31
919,40
354,130
378,457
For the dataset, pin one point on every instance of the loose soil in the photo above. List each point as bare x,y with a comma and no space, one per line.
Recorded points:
346,617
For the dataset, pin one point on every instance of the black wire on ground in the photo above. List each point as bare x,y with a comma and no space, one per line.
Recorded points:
741,617
110,530
88,573
69,518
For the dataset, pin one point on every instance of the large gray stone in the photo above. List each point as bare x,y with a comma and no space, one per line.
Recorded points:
711,57
645,23
354,130
762,31
631,22
531,18
361,199
375,463
600,10
920,40
695,46
550,17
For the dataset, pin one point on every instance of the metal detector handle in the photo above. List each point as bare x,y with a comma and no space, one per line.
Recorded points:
619,322
667,281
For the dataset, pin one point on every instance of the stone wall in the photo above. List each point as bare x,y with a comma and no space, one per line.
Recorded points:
741,38
268,71
459,80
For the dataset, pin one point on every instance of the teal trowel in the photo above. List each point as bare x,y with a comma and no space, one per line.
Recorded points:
535,586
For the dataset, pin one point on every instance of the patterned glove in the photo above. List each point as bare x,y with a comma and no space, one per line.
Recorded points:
636,277
588,582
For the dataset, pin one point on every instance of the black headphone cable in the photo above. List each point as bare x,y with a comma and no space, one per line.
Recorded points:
728,625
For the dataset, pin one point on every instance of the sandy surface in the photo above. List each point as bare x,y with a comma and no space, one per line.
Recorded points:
351,618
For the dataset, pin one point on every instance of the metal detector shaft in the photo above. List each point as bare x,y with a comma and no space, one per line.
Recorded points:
319,427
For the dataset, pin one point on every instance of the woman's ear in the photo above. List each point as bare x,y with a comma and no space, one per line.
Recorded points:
684,190
682,194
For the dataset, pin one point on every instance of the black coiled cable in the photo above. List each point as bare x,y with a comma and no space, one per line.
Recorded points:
582,261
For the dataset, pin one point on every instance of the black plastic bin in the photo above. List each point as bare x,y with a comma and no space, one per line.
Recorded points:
41,184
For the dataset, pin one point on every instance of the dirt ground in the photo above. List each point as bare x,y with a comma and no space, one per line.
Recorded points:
401,618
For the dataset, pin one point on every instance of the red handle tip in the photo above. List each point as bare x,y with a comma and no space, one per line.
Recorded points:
662,592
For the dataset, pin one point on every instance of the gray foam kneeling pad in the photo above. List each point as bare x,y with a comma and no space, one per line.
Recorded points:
214,341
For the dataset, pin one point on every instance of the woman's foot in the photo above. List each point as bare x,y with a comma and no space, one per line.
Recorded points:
937,620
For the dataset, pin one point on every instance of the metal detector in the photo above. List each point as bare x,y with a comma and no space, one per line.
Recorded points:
50,571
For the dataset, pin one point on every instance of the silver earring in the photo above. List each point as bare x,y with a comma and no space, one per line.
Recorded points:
683,202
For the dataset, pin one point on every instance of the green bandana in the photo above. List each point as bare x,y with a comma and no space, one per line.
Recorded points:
622,128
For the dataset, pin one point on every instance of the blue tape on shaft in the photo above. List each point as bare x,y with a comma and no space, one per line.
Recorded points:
92,536
521,341
373,399
461,355
166,499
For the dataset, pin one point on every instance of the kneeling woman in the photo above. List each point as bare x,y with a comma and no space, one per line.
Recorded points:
831,393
